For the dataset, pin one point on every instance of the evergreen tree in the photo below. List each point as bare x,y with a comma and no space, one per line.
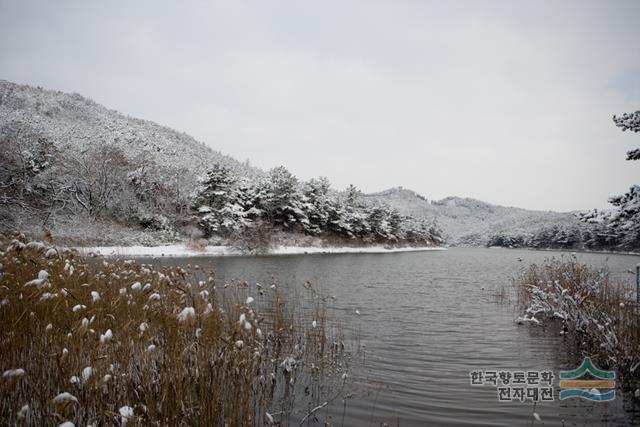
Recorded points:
318,204
397,224
218,204
252,197
228,206
623,224
284,201
378,221
353,218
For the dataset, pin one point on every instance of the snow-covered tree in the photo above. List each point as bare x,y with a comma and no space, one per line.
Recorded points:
96,182
420,232
506,241
631,122
318,204
218,204
625,220
252,196
352,216
621,227
284,204
378,219
628,121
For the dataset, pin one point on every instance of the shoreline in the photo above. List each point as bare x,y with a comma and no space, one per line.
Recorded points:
219,251
180,250
577,251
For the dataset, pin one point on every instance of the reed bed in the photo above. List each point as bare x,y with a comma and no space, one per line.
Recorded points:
598,313
115,342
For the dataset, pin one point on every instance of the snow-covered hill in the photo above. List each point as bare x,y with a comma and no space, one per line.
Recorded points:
470,221
75,123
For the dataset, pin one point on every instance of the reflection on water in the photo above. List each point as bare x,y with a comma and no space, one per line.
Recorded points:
426,319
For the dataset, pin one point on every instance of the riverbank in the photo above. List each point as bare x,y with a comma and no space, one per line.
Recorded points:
178,250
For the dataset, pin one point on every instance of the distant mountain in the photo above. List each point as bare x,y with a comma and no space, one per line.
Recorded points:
466,221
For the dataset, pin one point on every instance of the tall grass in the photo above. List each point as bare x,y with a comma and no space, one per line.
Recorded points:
103,342
599,312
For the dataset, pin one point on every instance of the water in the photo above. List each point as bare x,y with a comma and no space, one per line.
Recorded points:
425,322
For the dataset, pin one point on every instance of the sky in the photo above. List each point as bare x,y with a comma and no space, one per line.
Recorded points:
509,102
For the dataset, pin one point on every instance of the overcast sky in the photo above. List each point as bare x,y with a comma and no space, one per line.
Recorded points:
508,102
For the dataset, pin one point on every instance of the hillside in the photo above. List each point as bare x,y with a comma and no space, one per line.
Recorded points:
468,221
66,160
74,123
75,170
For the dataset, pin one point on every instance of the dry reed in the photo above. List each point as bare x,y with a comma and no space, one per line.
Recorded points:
599,313
100,342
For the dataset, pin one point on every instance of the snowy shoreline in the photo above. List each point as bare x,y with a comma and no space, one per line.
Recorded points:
573,251
217,251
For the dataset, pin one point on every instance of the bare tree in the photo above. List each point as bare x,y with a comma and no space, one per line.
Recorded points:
95,180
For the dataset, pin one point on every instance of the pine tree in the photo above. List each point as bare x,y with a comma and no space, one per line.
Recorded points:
353,218
628,121
216,188
625,221
317,204
620,228
218,204
243,209
378,220
284,201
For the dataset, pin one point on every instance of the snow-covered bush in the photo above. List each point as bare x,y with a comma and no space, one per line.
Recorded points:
594,310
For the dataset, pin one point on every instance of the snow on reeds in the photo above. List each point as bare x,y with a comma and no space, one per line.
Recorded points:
13,373
597,314
90,345
186,314
106,337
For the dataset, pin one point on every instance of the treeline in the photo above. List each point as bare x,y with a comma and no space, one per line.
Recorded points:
617,229
600,235
228,205
43,185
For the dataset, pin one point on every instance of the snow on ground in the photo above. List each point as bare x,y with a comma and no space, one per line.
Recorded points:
183,251
291,250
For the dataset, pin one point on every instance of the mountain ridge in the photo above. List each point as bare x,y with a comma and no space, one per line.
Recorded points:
466,199
469,221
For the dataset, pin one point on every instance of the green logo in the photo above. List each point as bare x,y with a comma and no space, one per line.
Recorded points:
588,389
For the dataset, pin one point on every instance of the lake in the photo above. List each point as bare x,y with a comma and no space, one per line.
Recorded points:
426,320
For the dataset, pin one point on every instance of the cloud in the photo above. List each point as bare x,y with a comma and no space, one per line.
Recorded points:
509,102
